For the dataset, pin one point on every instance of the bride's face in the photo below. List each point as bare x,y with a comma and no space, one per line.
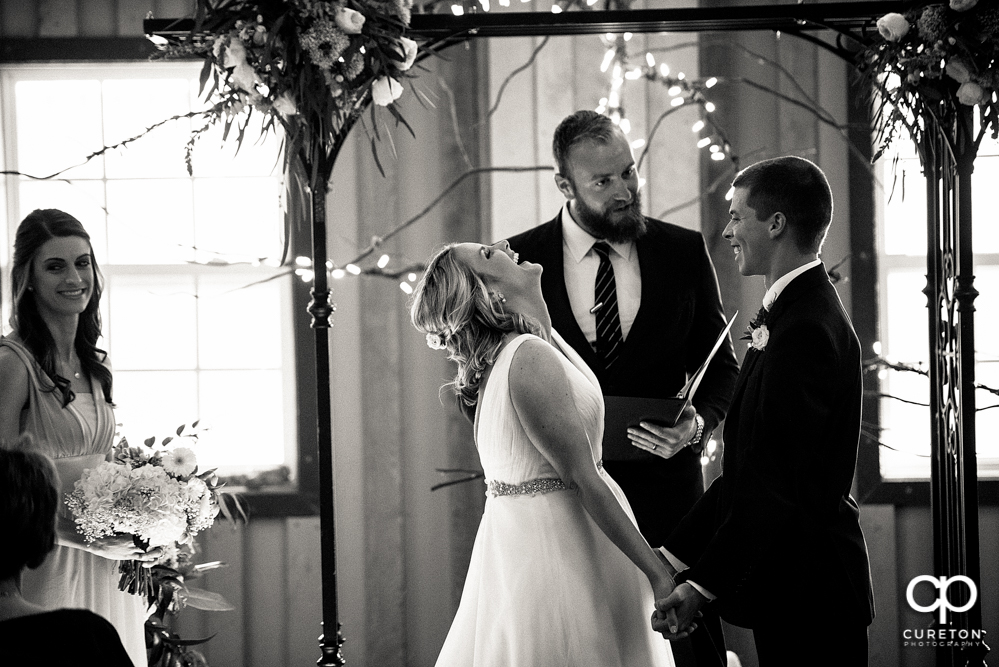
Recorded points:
499,267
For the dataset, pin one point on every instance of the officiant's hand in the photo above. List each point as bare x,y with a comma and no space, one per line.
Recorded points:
664,441
685,602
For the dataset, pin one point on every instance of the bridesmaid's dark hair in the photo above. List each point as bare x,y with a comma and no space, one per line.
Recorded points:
41,226
29,498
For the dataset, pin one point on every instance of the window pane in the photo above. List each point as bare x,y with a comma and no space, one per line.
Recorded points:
154,403
243,411
58,125
985,219
153,322
150,221
237,323
256,155
905,208
238,217
133,105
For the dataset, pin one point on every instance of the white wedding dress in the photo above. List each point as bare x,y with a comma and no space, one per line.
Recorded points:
545,586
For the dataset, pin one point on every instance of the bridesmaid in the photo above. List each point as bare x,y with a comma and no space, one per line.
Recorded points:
55,388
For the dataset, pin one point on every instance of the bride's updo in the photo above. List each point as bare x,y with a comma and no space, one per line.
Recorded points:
456,311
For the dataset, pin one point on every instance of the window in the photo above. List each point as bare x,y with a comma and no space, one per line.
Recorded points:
196,309
903,312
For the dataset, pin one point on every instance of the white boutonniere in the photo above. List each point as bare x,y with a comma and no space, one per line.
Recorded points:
760,336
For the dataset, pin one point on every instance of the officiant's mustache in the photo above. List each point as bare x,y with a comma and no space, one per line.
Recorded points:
616,223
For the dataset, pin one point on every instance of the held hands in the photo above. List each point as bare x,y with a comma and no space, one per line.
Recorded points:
122,547
678,611
664,441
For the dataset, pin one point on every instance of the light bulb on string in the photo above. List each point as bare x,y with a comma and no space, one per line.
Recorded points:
715,148
608,59
457,10
650,60
711,82
704,142
383,261
556,9
485,5
664,69
676,101
698,126
627,36
718,157
405,287
303,261
411,277
338,274
730,194
674,91
681,76
353,269
637,143
329,264
625,125
709,106
305,274
633,74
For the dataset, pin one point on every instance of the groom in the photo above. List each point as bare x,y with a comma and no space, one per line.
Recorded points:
775,543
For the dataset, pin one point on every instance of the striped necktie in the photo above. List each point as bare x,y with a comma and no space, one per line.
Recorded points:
605,298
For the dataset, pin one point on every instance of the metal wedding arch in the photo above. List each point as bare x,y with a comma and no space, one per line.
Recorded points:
947,165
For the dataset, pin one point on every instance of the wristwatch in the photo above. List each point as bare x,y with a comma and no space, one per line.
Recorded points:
696,440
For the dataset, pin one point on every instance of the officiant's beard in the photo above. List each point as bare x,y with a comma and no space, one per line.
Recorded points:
614,226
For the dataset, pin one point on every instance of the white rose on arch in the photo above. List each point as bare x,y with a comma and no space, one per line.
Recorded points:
962,5
409,49
349,20
385,90
970,93
893,26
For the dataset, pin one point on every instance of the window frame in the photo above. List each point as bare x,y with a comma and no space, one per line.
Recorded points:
298,498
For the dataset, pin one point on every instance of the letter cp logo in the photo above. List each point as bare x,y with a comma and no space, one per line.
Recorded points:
943,601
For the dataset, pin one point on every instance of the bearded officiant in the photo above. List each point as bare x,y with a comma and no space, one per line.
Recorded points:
638,299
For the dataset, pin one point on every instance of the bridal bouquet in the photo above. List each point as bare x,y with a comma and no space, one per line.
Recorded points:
153,493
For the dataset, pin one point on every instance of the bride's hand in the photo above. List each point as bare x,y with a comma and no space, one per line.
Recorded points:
122,547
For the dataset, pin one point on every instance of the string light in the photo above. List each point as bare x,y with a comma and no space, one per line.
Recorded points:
383,261
650,60
637,143
338,273
405,287
353,269
704,142
698,126
303,261
457,10
710,83
709,106
556,9
676,101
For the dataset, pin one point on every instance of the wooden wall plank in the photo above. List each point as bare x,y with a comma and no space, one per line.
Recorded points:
265,593
131,13
227,544
346,377
303,575
57,18
878,523
98,18
18,19
172,9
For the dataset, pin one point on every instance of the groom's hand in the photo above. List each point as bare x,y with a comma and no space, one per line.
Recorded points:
685,602
662,440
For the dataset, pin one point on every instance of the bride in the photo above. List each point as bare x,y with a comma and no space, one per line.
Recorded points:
559,573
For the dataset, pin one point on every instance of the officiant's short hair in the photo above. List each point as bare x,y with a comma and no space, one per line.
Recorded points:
797,188
577,127
29,498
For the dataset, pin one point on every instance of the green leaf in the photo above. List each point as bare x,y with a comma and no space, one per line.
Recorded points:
166,440
199,598
148,442
374,153
206,70
180,429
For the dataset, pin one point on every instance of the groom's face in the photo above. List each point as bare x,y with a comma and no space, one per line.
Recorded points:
749,236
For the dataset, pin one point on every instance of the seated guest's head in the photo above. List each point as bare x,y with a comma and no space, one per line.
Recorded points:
29,498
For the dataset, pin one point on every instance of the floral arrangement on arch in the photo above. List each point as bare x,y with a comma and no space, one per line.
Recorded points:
930,61
309,66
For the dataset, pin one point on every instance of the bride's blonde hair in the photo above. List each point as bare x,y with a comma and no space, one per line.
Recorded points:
453,306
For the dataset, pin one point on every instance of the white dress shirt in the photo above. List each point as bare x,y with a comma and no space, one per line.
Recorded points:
580,264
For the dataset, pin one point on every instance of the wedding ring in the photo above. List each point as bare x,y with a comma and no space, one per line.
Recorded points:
654,445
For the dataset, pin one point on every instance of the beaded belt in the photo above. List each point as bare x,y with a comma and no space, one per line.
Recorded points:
529,488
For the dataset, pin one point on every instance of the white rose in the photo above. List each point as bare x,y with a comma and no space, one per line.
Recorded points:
970,93
962,5
893,27
760,337
385,90
349,20
285,104
957,70
409,49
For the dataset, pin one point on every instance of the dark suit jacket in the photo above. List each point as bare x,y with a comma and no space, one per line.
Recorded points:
778,532
677,323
